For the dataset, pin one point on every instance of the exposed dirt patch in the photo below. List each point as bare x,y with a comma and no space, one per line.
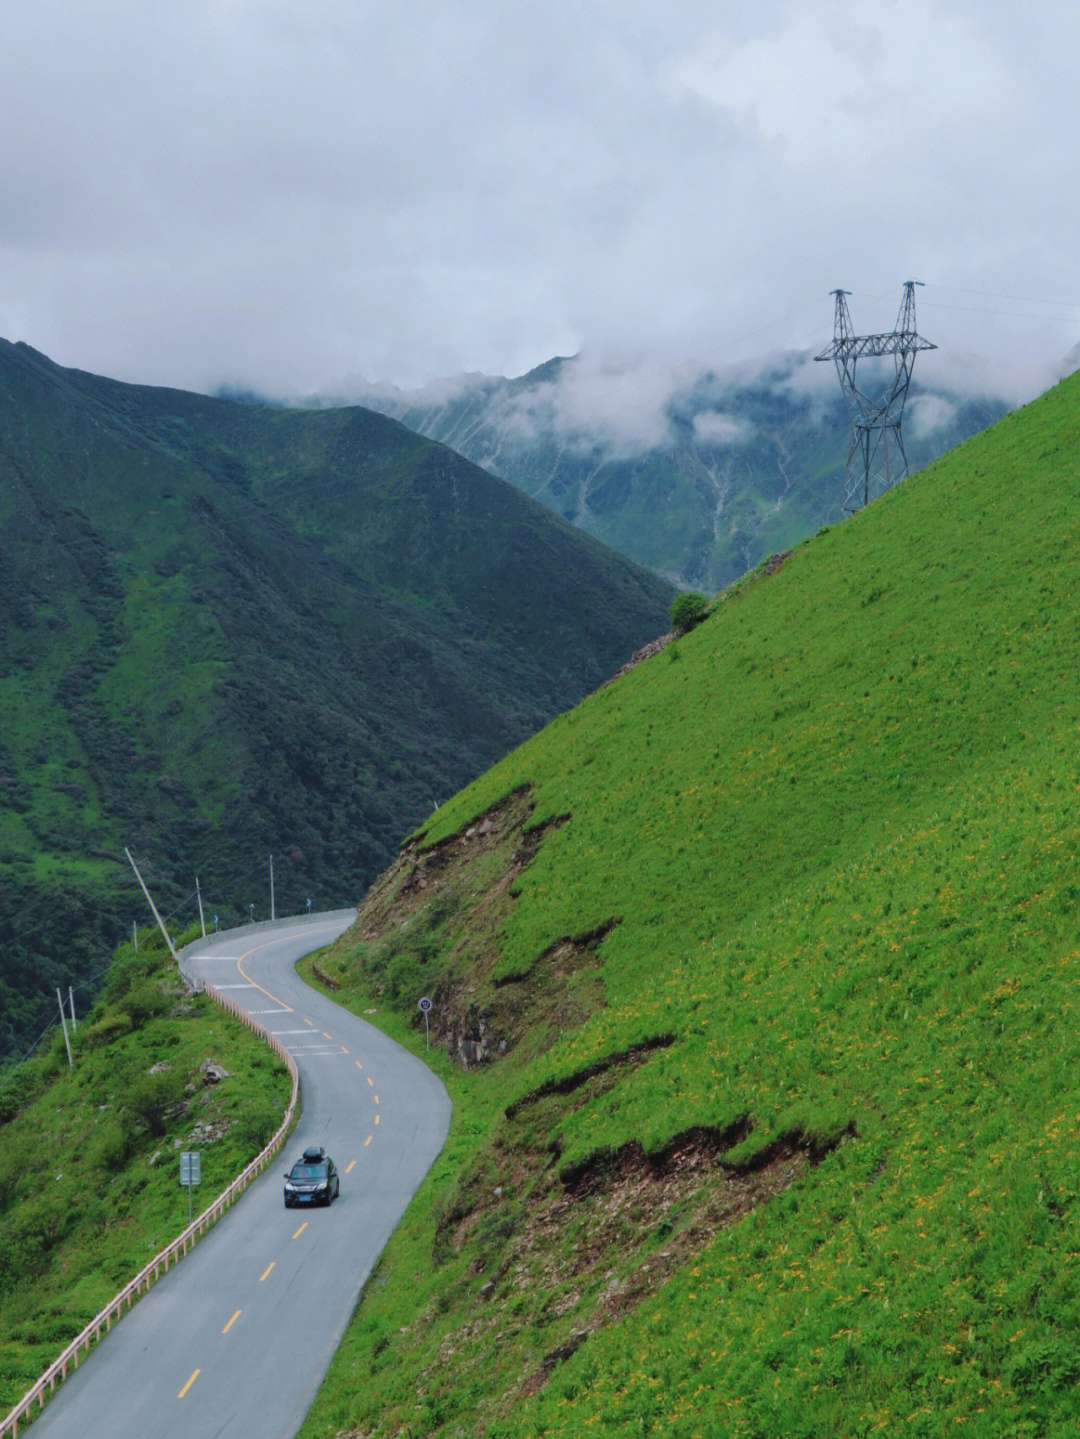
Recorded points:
480,1022
420,873
564,1351
654,647
565,956
582,1246
624,1059
777,561
698,1148
658,1210
431,925
473,1033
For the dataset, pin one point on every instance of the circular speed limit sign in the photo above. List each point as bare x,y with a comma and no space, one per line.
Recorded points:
425,1006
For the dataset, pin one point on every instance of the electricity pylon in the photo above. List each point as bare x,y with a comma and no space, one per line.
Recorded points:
876,458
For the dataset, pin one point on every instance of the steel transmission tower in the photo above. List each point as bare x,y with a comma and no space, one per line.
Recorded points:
877,458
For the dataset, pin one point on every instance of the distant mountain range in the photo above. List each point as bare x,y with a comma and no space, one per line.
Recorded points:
697,475
229,630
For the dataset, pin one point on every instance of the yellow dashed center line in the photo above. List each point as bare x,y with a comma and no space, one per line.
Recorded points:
368,1140
376,1099
350,1167
359,1065
327,1036
344,1050
266,1271
300,1230
370,1080
311,1022
267,944
376,1119
190,1382
232,1321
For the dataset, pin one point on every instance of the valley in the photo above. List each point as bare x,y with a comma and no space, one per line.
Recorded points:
230,631
751,979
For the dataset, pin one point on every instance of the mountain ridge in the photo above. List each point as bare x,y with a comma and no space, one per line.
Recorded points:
697,474
211,612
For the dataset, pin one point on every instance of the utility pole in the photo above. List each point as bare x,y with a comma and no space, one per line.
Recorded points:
71,1001
198,895
273,916
153,907
135,934
63,1021
876,440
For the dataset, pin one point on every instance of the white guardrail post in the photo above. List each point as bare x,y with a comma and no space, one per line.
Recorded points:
69,1359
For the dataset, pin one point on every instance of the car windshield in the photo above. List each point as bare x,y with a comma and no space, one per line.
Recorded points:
308,1171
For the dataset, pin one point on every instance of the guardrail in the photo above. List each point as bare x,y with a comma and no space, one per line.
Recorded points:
103,1322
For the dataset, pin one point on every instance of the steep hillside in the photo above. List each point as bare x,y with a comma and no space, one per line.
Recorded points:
230,630
701,484
756,980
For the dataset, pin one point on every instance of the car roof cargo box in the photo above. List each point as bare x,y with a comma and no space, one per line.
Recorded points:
314,1154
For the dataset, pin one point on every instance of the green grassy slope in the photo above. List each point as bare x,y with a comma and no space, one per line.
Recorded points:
88,1156
792,1146
229,630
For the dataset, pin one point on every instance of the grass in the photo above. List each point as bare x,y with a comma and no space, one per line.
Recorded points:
836,826
89,1185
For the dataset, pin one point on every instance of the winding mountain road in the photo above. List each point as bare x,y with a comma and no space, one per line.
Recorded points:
235,1339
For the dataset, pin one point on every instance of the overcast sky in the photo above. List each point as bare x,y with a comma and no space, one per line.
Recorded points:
279,195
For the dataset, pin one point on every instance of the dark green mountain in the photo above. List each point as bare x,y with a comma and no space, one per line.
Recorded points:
229,630
700,485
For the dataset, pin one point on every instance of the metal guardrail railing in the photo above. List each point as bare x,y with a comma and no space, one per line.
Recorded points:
57,1372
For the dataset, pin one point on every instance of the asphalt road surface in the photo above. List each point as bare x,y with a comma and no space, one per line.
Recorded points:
234,1340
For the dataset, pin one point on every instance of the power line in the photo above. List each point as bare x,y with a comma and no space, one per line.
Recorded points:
51,1025
772,324
937,304
1007,314
997,295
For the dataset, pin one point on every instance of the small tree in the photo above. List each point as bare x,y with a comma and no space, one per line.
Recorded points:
688,610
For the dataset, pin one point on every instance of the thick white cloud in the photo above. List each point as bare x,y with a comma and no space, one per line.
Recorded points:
720,429
279,195
849,85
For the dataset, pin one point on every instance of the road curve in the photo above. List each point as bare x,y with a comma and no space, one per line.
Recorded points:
235,1339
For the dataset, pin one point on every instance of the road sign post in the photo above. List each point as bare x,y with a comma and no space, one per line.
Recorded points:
425,1007
190,1173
